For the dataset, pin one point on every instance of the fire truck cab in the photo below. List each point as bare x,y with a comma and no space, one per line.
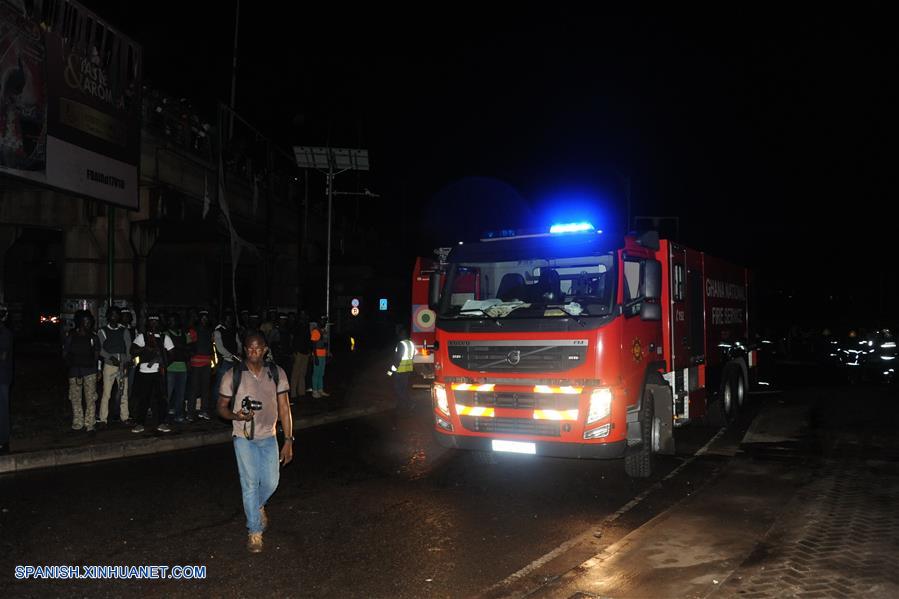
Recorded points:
573,344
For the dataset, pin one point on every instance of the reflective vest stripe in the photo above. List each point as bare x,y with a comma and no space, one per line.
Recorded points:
408,354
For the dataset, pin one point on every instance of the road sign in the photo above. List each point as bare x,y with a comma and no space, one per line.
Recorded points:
354,311
382,304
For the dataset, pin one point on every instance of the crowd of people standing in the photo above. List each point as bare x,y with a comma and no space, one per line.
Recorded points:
168,372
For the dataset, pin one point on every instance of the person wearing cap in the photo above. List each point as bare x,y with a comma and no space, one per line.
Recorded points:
319,359
151,348
81,351
200,337
6,369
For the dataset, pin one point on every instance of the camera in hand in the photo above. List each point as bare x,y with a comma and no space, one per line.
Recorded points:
247,404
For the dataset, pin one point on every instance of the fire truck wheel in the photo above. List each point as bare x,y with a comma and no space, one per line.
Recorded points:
723,409
638,459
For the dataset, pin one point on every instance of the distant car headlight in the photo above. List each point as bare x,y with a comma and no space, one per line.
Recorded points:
600,404
440,400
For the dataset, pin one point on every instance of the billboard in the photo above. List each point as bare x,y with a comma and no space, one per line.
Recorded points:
70,102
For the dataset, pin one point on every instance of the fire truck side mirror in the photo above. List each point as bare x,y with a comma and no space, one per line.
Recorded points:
434,285
652,279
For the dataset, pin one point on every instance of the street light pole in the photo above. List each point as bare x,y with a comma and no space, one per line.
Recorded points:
328,256
331,162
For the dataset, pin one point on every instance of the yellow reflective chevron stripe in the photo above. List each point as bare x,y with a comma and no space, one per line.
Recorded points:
469,387
558,390
474,411
555,414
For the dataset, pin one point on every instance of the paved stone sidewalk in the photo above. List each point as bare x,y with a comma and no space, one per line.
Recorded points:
839,537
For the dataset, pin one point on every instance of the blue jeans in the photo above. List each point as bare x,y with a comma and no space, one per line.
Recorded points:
318,374
257,463
177,385
4,413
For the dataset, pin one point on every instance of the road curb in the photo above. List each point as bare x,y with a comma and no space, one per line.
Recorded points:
51,458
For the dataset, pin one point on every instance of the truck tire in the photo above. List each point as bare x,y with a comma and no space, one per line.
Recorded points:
723,409
639,458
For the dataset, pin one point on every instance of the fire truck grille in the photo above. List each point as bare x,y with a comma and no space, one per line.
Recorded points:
512,426
522,400
553,356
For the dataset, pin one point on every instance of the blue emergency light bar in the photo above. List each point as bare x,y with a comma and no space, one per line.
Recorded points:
553,230
572,228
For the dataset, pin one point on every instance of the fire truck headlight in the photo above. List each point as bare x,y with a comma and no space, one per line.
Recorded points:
600,404
439,392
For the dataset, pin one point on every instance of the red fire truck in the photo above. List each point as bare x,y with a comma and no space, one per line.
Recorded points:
573,344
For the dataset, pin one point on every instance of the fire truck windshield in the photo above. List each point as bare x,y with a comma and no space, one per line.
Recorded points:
530,288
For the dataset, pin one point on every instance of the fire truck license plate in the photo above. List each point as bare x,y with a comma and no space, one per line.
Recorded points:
514,446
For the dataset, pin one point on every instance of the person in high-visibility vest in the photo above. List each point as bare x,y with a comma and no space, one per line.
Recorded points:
401,369
319,358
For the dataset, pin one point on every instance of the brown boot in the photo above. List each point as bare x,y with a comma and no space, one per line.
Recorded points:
254,542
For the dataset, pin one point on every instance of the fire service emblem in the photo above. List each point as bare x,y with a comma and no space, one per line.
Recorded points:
637,350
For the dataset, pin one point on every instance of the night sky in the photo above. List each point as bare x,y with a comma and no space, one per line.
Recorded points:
767,133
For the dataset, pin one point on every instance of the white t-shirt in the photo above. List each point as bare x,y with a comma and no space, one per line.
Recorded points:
166,343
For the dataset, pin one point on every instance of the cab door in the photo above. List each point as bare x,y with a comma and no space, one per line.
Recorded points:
687,330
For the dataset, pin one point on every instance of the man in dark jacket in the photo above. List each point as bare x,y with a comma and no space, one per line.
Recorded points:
81,351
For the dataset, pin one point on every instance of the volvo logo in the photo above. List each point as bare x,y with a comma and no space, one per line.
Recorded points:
514,357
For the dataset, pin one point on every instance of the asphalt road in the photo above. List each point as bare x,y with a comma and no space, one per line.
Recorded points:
369,508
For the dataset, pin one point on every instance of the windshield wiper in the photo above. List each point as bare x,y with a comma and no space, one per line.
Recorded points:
561,307
483,313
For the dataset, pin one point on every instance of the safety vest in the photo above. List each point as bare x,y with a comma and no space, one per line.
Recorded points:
408,353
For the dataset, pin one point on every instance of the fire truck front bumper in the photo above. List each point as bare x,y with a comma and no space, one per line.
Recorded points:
593,451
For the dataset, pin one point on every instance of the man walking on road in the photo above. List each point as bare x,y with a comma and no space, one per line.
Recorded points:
115,345
254,405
